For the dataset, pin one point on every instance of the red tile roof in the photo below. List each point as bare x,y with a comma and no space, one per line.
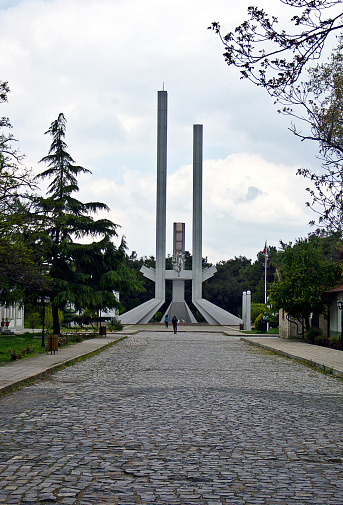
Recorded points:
337,289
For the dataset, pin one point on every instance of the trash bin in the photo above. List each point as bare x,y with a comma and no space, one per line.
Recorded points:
103,331
52,345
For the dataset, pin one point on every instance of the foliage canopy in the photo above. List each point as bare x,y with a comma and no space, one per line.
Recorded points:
304,271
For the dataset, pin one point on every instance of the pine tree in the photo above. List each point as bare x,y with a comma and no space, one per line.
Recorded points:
66,220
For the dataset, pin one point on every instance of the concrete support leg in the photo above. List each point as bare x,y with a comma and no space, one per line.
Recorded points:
161,195
197,212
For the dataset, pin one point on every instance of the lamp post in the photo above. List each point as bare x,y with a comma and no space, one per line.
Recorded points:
44,300
340,307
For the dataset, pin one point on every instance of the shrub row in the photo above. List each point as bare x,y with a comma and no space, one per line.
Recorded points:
334,341
75,337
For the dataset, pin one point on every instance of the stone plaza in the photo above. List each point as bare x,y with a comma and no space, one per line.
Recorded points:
191,418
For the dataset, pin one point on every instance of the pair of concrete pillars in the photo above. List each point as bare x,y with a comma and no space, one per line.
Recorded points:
178,276
246,310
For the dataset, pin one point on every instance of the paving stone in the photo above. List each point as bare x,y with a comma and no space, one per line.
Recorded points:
200,419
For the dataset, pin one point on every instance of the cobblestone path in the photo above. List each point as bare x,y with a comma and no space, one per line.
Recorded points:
175,419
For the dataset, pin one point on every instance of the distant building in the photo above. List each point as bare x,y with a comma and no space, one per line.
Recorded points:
330,322
335,314
14,316
290,327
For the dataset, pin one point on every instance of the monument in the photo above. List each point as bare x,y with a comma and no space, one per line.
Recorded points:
178,307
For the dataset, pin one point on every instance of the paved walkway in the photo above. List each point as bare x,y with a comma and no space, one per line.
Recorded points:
16,373
330,360
193,418
27,370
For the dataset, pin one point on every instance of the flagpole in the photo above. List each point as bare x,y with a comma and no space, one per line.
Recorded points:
265,273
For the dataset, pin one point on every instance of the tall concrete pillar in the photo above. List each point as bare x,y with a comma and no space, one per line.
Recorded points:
244,309
161,195
248,325
197,212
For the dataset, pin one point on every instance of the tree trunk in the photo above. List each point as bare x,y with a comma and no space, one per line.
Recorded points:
55,321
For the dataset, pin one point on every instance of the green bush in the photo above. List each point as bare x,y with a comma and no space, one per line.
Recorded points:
62,340
259,308
273,320
74,338
116,325
335,341
316,335
48,317
157,317
33,320
258,322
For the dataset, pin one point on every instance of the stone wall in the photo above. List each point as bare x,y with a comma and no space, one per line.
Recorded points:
324,325
288,326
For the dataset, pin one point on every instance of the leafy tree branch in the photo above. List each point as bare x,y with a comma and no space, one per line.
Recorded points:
272,57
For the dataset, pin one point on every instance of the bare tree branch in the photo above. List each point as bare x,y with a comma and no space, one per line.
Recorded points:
270,56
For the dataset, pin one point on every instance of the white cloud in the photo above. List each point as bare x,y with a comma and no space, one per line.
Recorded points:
101,62
233,224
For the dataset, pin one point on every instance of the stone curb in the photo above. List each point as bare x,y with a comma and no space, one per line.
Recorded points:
320,366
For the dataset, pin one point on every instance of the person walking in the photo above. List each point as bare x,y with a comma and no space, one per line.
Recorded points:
174,321
166,320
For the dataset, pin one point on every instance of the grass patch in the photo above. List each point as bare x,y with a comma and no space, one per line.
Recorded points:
13,347
17,343
254,331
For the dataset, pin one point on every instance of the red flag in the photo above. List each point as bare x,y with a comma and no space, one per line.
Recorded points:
265,248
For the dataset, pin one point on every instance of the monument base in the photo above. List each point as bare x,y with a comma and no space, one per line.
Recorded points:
181,311
143,313
215,315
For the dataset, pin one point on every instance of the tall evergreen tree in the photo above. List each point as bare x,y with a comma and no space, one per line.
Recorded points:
66,220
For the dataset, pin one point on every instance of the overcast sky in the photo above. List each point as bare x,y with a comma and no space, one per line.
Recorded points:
101,63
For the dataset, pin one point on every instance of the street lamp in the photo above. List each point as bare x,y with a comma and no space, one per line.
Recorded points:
44,300
340,306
